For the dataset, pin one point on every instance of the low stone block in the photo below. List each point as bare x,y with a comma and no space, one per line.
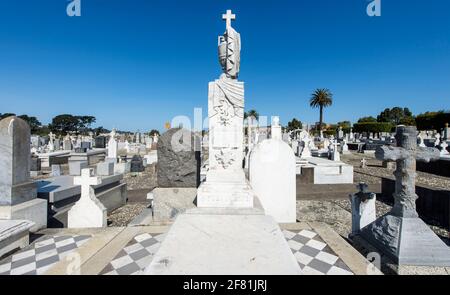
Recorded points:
122,168
14,234
34,210
168,203
105,169
75,167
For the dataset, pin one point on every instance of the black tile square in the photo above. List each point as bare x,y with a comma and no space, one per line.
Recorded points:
301,239
309,251
320,266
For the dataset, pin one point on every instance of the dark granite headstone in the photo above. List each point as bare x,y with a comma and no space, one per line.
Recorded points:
35,164
179,159
137,164
100,142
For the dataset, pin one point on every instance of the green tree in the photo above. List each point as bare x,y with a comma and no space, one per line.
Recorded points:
62,124
321,98
294,124
84,123
99,130
396,115
367,120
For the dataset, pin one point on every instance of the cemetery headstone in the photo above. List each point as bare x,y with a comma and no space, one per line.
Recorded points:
179,160
35,166
226,185
363,208
401,234
17,192
137,164
100,142
273,177
112,145
88,212
56,170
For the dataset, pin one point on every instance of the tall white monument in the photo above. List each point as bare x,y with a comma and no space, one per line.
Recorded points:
226,185
112,145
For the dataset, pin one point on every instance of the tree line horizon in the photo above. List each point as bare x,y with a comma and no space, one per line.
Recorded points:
321,98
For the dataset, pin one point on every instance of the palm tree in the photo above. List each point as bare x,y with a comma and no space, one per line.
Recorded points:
321,98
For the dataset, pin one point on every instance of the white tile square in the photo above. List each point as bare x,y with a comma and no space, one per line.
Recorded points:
65,242
133,248
307,233
46,254
122,261
338,271
303,258
311,271
22,255
316,244
294,245
5,267
327,258
24,269
153,248
143,237
44,243
288,234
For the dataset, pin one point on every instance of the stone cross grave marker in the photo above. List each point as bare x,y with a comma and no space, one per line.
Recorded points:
401,234
88,212
406,155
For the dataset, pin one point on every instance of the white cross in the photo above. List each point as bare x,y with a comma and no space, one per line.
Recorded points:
229,16
85,180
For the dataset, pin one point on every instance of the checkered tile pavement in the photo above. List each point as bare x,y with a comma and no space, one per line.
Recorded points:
37,258
137,255
314,256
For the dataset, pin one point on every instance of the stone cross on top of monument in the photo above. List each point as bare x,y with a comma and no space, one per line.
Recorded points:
228,17
230,48
405,154
86,181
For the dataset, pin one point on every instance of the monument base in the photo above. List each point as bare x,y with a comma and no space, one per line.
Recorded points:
407,241
34,210
225,195
224,244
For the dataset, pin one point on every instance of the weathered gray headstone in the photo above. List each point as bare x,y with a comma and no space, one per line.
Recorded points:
178,159
17,193
401,234
15,184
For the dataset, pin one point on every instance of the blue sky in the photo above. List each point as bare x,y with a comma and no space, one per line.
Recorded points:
136,64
